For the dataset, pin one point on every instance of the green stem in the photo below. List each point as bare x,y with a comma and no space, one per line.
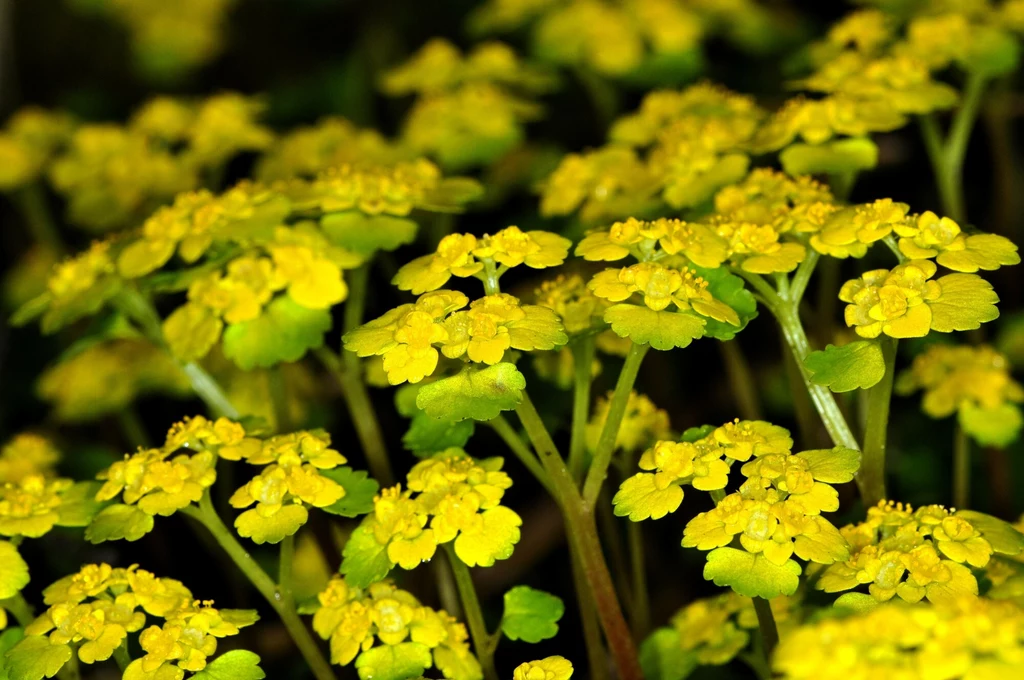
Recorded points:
717,495
483,642
871,477
583,538
961,468
803,276
32,202
842,183
610,432
516,444
20,608
766,622
286,560
121,655
597,657
741,380
279,399
208,517
136,307
447,592
583,360
364,418
638,568
132,428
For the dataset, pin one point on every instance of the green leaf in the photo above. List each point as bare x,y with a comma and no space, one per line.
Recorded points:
238,664
31,310
991,52
393,662
661,330
428,435
727,288
832,466
359,487
117,522
480,394
832,158
8,639
997,426
78,505
856,602
364,560
751,574
283,333
34,658
1000,534
531,615
452,194
856,365
692,434
365,234
13,571
662,656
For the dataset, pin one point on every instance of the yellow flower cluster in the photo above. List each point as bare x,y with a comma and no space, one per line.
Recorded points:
678,149
661,286
30,507
78,286
171,40
108,376
646,240
307,151
486,258
550,668
960,639
929,236
643,423
93,611
816,121
112,176
574,303
27,144
291,479
900,552
450,496
776,512
701,461
471,108
408,336
906,302
27,454
160,482
364,624
959,378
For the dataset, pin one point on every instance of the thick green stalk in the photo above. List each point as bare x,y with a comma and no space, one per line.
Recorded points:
275,595
871,476
483,642
32,202
583,361
583,539
121,655
139,309
364,418
598,471
285,562
961,468
20,608
638,569
766,622
597,657
516,444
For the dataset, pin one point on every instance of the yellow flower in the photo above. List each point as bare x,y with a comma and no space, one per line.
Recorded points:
159,484
174,228
660,287
30,507
907,303
405,336
742,439
954,377
757,248
79,286
280,494
495,323
224,125
512,247
930,236
550,668
851,231
27,454
568,296
643,423
607,184
453,257
400,524
653,495
310,266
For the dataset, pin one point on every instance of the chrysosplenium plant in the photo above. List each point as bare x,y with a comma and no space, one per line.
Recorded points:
265,296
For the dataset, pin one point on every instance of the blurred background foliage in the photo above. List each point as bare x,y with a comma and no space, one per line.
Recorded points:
306,59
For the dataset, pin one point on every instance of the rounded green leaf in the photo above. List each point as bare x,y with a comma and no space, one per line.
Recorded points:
729,289
393,662
662,656
428,435
639,498
996,426
237,664
283,333
119,522
751,574
832,466
480,394
365,234
1001,535
856,365
661,330
34,658
13,571
359,487
832,158
531,615
364,560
